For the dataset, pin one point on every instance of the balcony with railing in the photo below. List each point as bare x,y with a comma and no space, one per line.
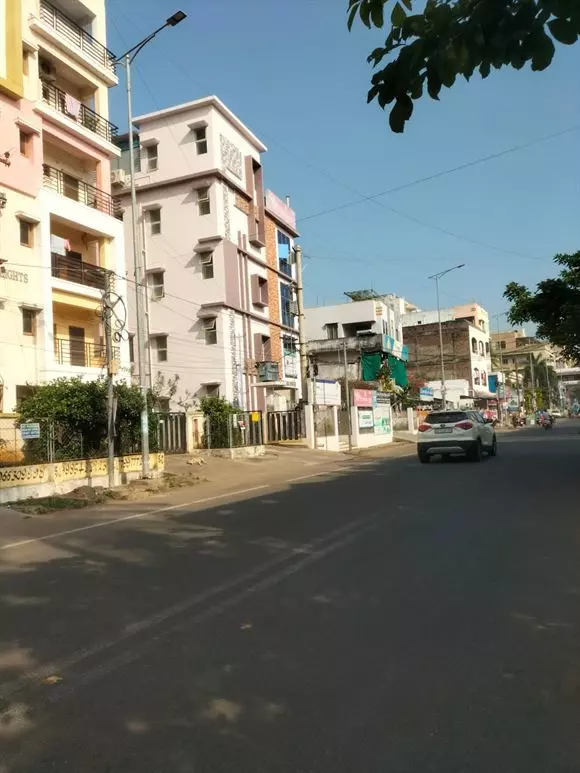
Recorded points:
74,270
74,109
73,188
79,353
76,37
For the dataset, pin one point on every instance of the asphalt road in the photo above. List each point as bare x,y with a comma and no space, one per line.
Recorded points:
395,618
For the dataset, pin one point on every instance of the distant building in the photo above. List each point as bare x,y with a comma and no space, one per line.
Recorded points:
475,314
370,323
466,354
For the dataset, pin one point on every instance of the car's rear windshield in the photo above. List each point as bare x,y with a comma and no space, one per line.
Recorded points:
445,417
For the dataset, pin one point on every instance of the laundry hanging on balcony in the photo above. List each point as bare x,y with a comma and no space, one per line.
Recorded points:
58,245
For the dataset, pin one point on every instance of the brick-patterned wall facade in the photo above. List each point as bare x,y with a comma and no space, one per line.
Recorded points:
424,351
273,288
243,204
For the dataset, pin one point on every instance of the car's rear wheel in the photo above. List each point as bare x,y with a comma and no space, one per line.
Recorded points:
476,453
493,449
423,457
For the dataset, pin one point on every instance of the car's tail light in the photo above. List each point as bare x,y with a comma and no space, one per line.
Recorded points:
464,425
424,427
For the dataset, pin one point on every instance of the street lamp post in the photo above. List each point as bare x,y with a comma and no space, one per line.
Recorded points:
126,60
437,277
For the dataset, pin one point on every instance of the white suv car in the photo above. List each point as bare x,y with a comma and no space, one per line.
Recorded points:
456,432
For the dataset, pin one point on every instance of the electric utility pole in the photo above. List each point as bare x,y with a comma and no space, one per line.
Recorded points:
112,367
301,325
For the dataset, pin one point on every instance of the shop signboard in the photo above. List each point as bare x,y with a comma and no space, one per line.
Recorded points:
365,418
327,392
426,393
362,398
396,348
382,413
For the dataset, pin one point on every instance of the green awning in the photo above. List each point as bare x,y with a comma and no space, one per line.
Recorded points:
398,371
370,365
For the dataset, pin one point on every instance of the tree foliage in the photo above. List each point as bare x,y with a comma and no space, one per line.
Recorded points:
81,406
451,38
554,307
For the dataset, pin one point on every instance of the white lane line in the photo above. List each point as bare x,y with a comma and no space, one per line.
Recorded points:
133,516
168,508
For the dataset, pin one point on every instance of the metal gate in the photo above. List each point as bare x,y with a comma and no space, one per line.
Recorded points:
285,425
171,433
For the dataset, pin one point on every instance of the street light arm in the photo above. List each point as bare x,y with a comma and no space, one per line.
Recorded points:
136,48
177,17
447,271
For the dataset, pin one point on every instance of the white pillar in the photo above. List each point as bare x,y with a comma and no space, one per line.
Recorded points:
309,422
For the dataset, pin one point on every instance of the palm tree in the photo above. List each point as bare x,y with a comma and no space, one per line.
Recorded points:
545,378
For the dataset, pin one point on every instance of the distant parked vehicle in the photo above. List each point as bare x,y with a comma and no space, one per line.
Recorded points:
449,433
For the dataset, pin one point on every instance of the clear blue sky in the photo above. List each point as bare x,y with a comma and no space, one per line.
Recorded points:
301,87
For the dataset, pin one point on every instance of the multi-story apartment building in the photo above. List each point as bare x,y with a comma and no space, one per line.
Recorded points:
466,354
475,314
220,303
369,323
60,242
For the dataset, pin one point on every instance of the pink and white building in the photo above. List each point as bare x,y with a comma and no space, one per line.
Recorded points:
59,237
204,230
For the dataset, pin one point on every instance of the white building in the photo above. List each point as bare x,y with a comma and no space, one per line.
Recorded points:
202,222
369,322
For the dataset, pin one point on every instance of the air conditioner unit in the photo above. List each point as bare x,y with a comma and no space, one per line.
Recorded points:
118,177
47,71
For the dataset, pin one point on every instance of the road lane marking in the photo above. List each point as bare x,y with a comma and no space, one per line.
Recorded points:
133,516
167,509
315,547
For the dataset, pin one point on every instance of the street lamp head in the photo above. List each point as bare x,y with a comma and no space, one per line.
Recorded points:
176,18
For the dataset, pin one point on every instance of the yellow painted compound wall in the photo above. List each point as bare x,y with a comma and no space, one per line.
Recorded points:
11,74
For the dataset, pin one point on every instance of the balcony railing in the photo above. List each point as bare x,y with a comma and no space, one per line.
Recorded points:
75,110
79,353
73,270
78,190
76,35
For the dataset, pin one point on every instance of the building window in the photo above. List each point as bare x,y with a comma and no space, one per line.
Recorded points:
289,345
200,140
155,221
483,378
151,157
131,347
157,285
482,324
210,331
332,331
29,322
25,143
481,349
476,377
203,206
25,62
286,305
26,231
23,392
487,347
160,346
206,260
502,344
284,253
474,345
